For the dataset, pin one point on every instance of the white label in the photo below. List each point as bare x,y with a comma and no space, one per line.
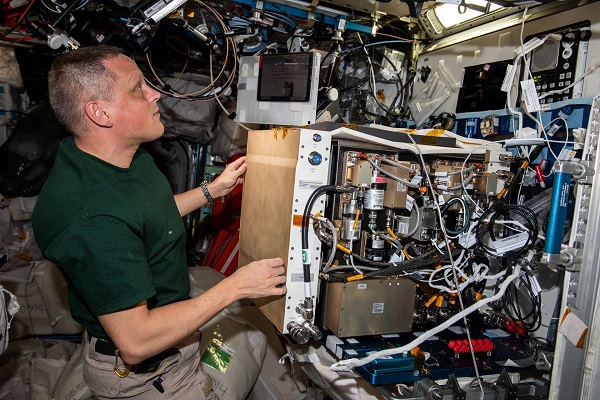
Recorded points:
530,95
441,200
566,155
535,285
410,201
508,78
377,308
527,47
403,227
378,243
390,336
467,240
154,9
361,286
310,184
374,199
510,243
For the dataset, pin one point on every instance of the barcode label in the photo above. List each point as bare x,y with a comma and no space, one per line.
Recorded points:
378,308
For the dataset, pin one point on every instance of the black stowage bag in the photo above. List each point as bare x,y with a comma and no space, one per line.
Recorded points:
28,155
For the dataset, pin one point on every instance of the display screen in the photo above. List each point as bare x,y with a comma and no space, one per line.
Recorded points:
285,77
481,87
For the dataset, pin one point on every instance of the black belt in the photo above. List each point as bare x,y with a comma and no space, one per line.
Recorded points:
107,347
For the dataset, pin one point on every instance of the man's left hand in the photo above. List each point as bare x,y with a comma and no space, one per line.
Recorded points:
229,178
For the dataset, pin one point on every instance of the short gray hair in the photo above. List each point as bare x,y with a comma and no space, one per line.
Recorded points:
78,77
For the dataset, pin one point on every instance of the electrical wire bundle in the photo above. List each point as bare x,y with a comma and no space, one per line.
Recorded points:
432,257
219,84
509,215
357,46
512,303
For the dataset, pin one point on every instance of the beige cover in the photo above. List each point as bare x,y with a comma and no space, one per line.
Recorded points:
42,294
266,218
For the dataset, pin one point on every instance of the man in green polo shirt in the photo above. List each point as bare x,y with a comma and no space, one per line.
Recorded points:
109,220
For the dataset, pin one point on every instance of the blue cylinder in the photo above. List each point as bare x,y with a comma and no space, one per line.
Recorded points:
470,132
558,213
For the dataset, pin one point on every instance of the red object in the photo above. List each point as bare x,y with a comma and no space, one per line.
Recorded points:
223,252
451,345
225,213
227,260
479,346
540,175
514,327
224,218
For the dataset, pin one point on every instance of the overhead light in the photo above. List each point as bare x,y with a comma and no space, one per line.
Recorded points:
449,14
476,32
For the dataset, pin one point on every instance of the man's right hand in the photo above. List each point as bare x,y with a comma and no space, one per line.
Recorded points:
260,279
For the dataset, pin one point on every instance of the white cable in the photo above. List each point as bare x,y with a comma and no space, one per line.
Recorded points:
345,366
356,269
521,55
546,137
217,96
447,242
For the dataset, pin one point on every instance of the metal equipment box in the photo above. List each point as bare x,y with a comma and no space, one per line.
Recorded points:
370,307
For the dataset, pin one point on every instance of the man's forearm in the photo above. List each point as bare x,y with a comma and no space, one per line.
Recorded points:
140,333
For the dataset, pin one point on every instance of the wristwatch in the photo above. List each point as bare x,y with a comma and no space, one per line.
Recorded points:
209,198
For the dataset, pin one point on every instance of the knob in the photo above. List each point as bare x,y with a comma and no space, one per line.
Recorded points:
315,158
55,41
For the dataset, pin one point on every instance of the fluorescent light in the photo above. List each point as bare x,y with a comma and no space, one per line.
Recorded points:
449,15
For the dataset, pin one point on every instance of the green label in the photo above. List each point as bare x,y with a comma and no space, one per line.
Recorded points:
216,358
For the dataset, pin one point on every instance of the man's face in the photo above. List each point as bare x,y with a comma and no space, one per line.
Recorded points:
135,111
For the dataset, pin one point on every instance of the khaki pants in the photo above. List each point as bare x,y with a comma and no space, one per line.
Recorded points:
182,377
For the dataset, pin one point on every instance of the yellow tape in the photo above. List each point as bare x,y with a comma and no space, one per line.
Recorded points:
435,132
356,277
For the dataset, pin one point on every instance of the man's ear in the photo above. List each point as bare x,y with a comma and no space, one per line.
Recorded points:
97,114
